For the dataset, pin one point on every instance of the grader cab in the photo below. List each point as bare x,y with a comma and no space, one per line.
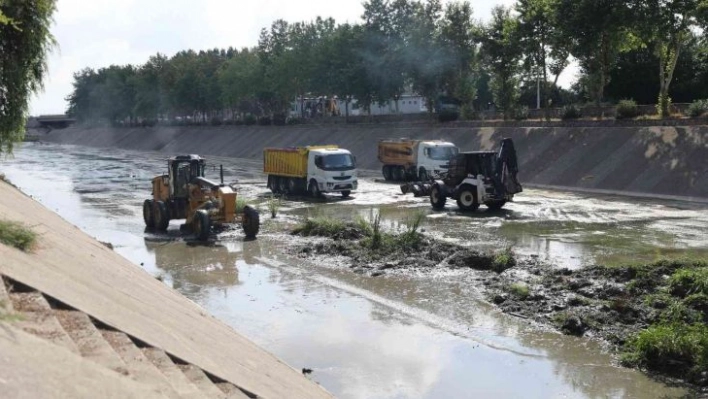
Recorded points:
184,193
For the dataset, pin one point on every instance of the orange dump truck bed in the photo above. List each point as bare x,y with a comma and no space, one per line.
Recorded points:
398,152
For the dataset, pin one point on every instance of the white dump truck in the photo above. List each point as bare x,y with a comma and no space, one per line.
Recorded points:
314,170
406,159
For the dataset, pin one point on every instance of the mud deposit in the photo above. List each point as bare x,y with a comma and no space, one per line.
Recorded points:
613,304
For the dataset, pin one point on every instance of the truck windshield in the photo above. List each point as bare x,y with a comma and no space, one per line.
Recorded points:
337,162
442,153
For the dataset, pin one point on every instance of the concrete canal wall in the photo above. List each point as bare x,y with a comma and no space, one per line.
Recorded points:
650,160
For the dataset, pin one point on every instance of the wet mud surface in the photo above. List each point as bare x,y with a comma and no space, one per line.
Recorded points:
393,326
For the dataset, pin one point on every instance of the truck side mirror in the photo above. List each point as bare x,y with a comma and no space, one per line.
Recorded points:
318,161
426,152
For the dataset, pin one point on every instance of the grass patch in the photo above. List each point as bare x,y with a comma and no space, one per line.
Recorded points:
274,204
17,235
519,290
323,226
678,350
240,204
503,260
689,281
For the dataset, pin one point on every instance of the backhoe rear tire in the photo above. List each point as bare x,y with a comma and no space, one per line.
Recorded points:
161,216
201,224
148,214
467,198
251,222
437,197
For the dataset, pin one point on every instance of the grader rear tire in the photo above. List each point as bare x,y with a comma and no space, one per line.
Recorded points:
161,216
251,222
201,225
148,214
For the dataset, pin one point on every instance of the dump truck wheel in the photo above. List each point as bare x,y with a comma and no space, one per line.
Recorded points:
496,205
161,216
386,170
148,214
467,198
346,193
283,184
314,189
272,185
251,222
293,185
423,175
397,173
201,225
437,197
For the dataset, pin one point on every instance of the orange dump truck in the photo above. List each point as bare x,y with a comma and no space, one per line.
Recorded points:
406,159
314,169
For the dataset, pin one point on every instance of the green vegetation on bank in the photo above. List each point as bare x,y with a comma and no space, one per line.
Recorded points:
17,235
675,294
627,49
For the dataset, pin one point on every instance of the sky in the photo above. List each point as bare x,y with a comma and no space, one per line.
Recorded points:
99,33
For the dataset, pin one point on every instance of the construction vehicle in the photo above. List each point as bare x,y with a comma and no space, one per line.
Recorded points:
184,193
406,159
482,177
314,170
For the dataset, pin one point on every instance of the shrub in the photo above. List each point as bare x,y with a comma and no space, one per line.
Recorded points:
571,112
504,260
519,290
17,235
411,238
273,205
249,120
689,281
627,109
697,109
520,113
216,121
264,121
293,121
279,119
678,350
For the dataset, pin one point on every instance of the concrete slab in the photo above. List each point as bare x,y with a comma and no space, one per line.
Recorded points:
79,271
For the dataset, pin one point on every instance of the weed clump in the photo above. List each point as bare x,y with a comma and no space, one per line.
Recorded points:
328,227
678,350
17,235
274,205
504,260
519,290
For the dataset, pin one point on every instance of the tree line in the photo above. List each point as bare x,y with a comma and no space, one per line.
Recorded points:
653,51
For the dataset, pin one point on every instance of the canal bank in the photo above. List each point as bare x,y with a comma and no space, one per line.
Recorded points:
648,160
74,293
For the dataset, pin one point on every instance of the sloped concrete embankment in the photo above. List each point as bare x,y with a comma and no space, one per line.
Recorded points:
79,320
662,160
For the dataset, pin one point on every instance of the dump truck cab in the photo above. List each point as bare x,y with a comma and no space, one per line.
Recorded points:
434,157
480,177
332,170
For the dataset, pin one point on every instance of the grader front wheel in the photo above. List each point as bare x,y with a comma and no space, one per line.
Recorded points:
251,222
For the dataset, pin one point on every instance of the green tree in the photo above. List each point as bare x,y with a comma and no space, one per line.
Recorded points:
667,29
597,31
502,53
25,40
459,37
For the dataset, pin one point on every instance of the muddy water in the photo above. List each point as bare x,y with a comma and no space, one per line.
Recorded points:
390,337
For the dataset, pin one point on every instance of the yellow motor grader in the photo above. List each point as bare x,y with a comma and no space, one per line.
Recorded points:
184,193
